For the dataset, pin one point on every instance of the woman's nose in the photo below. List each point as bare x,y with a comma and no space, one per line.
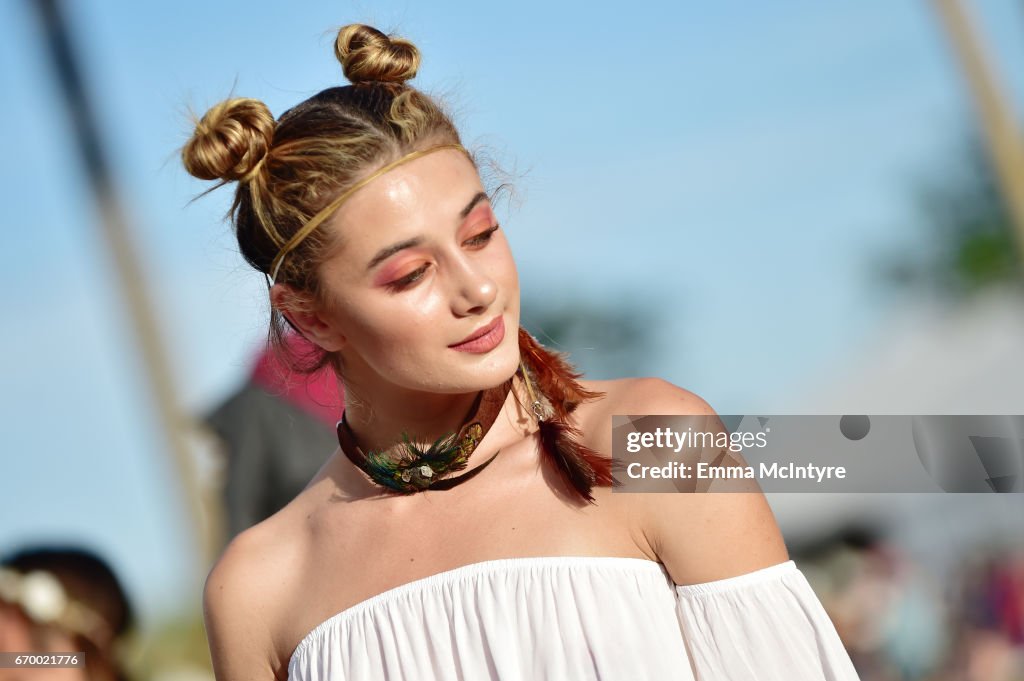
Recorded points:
474,291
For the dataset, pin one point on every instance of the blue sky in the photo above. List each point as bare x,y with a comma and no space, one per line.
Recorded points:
733,165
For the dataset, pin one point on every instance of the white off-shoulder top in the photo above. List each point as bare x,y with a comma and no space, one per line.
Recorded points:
577,617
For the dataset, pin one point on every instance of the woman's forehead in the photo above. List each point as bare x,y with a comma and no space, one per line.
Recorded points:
425,191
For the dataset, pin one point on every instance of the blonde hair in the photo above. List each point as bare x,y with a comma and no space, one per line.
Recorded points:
290,169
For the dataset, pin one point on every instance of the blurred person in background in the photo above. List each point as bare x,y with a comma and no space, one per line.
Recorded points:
276,431
900,625
57,599
991,622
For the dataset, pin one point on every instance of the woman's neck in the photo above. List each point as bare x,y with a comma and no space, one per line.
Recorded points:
378,420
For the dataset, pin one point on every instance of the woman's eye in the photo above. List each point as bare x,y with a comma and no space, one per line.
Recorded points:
408,280
483,237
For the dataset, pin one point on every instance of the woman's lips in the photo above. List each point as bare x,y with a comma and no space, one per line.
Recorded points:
492,335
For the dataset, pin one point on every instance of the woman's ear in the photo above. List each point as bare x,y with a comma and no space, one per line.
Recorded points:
302,312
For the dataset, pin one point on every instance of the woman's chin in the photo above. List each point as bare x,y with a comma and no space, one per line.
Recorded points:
487,373
484,380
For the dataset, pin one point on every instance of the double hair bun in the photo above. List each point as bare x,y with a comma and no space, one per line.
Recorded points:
369,56
232,139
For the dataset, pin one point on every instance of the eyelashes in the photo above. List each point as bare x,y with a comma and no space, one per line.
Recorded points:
478,241
408,280
483,237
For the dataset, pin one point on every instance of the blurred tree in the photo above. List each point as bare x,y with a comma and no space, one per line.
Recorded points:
968,240
610,339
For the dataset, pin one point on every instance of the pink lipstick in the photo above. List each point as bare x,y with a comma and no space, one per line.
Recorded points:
484,339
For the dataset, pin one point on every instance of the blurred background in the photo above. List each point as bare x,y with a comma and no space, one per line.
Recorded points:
791,208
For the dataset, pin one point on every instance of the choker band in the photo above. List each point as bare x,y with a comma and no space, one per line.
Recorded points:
415,470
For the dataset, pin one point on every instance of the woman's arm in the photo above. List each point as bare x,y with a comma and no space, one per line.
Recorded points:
235,613
699,536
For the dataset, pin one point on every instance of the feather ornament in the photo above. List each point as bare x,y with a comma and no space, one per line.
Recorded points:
416,467
553,375
579,466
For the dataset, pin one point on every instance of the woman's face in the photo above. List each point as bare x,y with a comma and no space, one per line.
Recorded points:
421,265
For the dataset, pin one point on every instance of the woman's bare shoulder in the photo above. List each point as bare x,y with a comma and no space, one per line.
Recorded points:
622,396
645,392
246,591
699,537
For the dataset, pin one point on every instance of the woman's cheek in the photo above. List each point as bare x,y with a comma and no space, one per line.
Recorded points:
400,325
425,302
501,250
505,266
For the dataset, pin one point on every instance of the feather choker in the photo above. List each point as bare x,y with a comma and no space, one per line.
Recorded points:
415,469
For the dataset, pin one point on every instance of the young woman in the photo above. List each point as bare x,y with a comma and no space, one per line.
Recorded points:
500,551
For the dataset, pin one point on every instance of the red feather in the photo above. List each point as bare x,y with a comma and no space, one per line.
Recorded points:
555,377
580,467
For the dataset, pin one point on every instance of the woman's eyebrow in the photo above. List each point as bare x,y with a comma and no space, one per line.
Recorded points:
388,251
481,196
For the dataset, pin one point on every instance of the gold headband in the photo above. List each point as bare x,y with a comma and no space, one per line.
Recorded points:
308,228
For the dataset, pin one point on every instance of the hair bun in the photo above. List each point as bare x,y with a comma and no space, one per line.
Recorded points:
231,141
367,55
